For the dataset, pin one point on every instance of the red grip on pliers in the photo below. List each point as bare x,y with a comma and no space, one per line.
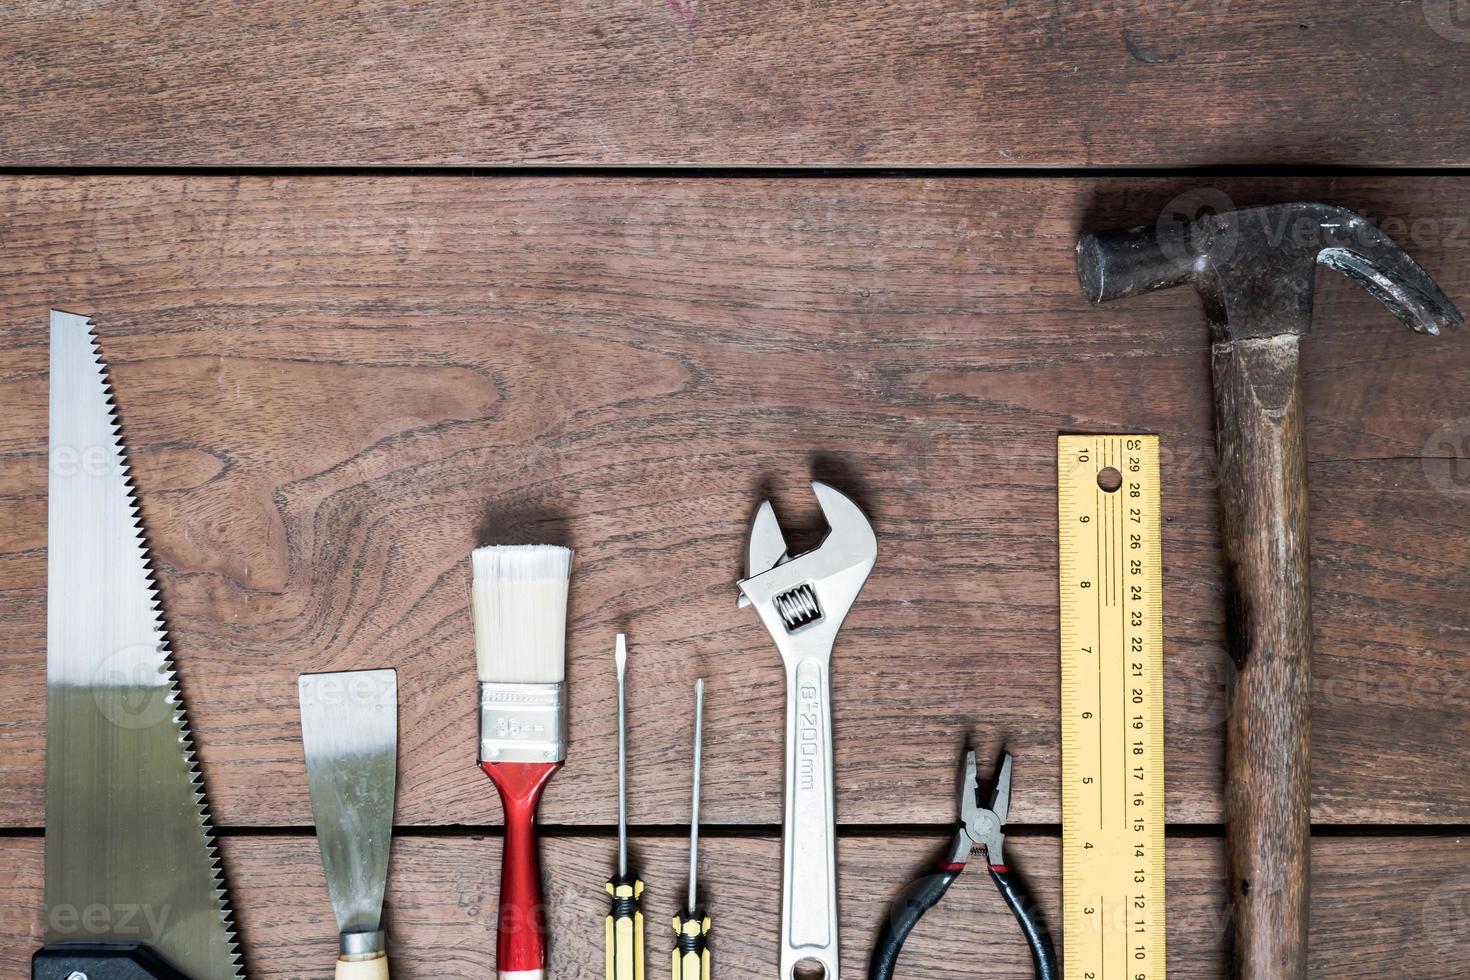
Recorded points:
520,942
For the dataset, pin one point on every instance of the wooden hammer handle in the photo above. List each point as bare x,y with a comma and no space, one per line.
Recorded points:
1263,497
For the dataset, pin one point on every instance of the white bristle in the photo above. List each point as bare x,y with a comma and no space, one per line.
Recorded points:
520,610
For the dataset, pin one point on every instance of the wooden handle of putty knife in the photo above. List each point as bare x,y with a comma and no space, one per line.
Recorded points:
1263,498
374,967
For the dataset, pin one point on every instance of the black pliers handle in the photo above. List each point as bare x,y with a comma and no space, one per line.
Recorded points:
979,827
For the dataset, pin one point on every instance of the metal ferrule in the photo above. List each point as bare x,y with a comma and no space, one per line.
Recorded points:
523,723
362,943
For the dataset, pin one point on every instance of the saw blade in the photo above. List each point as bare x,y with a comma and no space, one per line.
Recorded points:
129,854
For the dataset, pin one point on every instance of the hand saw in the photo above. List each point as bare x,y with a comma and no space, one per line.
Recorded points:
133,886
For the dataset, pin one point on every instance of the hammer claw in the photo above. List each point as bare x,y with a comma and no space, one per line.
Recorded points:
1411,295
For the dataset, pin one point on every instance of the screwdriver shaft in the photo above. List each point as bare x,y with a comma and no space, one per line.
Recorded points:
624,924
694,808
691,959
620,658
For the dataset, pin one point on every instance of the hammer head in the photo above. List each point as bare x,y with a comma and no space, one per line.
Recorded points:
1255,269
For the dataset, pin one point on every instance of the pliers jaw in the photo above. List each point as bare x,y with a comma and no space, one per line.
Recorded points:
984,825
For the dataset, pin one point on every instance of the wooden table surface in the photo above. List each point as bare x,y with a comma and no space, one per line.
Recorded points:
585,316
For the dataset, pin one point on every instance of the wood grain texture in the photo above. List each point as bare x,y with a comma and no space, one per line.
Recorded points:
334,388
442,897
1264,528
830,82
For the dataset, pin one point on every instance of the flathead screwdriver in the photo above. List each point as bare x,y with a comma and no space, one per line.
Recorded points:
625,920
691,928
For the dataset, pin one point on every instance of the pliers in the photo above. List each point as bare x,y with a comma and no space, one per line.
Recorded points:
980,826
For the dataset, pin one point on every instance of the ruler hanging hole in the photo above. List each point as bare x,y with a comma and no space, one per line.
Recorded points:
1109,479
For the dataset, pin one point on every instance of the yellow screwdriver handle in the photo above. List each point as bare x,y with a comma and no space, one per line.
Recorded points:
691,947
625,930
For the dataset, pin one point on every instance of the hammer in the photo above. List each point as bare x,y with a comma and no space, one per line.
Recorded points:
1254,271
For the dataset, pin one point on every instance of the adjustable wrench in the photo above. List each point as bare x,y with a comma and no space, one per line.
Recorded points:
803,601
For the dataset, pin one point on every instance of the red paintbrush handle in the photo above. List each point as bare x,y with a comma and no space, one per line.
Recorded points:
520,951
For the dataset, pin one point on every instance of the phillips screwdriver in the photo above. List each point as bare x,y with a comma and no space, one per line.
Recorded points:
625,920
691,929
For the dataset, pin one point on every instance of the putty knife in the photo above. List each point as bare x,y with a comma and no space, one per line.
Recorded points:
349,731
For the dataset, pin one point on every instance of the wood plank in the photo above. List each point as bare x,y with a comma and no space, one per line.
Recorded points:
335,387
835,82
442,892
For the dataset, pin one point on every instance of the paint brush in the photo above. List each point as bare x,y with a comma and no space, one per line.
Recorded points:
520,612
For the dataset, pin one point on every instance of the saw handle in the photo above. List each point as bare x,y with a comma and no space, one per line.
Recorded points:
100,961
520,942
374,967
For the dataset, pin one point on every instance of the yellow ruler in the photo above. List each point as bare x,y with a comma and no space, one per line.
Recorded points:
1112,707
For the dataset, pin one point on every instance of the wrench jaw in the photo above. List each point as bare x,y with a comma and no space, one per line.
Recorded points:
767,545
847,525
803,600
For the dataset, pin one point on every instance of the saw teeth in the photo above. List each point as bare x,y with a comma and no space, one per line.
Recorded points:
173,692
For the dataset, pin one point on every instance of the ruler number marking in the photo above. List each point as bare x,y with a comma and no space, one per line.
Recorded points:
1123,776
